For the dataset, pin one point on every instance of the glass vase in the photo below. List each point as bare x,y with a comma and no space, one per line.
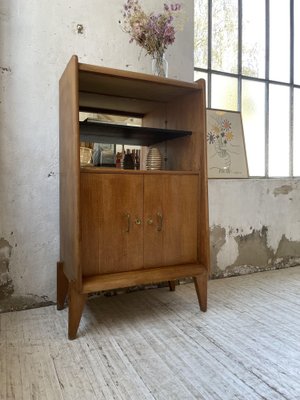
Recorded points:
160,65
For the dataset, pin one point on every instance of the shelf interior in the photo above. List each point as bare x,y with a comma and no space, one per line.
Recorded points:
101,132
107,90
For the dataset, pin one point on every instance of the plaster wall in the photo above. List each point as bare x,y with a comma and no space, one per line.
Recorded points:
38,37
254,223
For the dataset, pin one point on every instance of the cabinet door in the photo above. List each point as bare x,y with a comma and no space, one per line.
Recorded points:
111,223
170,219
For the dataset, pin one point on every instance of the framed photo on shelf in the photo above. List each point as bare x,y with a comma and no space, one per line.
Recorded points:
104,154
226,152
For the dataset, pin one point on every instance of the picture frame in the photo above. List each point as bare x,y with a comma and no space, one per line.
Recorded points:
104,154
226,152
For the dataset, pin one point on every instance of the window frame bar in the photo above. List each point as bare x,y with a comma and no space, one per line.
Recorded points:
267,81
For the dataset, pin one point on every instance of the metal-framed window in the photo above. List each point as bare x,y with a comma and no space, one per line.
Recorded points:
248,51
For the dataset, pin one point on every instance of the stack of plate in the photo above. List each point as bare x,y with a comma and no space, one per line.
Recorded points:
154,159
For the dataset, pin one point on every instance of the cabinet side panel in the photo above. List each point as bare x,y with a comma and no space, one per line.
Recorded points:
69,171
189,112
203,225
204,246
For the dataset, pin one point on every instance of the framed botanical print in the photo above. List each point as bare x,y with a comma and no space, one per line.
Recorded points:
226,153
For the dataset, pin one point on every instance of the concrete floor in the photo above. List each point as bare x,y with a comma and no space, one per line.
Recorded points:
156,344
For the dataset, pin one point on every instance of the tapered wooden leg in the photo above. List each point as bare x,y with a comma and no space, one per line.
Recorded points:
172,285
62,286
200,282
76,305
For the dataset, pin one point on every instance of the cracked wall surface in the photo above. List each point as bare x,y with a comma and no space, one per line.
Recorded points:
9,301
6,285
255,227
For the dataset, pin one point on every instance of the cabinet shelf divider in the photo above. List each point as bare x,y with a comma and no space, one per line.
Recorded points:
101,132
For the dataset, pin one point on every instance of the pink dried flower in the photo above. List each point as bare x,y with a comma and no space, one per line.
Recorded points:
154,33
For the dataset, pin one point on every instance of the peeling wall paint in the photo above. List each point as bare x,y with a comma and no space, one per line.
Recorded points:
288,248
256,227
8,300
217,241
6,285
284,189
5,69
253,248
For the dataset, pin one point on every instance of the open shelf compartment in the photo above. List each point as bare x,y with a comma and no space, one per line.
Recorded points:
101,132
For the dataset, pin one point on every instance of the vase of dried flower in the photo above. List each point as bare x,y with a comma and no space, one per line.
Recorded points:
160,65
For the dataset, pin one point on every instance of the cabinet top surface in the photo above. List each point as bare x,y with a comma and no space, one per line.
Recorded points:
114,82
136,76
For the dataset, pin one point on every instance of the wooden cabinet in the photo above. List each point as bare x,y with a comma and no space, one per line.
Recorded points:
111,206
131,221
170,219
118,227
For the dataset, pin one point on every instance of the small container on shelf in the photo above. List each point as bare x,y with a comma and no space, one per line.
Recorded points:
154,159
85,156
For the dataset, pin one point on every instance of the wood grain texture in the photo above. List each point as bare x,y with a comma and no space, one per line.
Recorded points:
188,154
156,345
114,90
69,171
131,278
76,304
111,206
112,203
172,201
101,170
203,216
200,282
62,285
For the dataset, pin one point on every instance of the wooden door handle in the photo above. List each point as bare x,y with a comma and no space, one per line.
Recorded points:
159,221
127,217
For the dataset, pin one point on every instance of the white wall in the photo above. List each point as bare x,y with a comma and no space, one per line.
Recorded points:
254,223
38,38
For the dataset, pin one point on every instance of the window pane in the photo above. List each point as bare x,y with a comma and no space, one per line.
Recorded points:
199,75
201,33
296,132
225,35
297,42
279,131
280,40
224,92
253,114
254,25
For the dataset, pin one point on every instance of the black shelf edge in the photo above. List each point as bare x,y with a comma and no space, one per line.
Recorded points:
101,132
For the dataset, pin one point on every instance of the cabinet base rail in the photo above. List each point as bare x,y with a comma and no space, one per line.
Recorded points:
77,296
